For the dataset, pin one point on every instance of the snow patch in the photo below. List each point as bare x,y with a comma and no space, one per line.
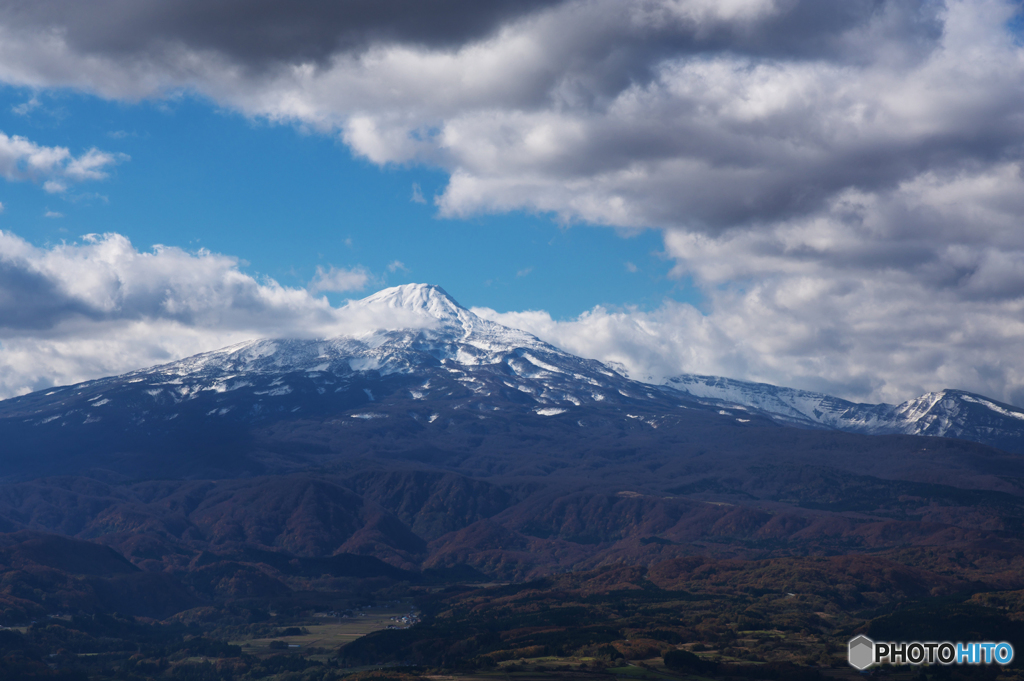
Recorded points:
542,364
550,411
364,363
994,407
276,392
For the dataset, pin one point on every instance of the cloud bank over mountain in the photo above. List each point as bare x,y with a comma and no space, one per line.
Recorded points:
841,178
82,310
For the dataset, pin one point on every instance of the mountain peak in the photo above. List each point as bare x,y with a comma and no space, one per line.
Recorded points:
426,299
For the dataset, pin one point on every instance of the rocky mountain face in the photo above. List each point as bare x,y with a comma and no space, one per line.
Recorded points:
452,444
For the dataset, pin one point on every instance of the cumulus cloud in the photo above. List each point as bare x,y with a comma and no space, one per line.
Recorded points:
880,296
98,307
647,346
841,177
23,159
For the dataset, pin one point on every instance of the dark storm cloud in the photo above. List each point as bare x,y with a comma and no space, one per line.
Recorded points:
259,32
30,301
254,32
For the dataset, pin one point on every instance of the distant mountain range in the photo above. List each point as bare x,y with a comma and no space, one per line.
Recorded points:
946,413
455,443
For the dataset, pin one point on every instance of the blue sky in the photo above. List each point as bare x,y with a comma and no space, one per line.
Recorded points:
286,199
823,194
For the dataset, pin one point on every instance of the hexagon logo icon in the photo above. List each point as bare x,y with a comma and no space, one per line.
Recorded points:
861,652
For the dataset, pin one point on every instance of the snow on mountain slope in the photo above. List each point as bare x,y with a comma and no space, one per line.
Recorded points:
431,356
788,405
437,325
947,413
445,354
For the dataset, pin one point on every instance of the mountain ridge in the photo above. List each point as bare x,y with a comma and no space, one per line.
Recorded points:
433,351
943,413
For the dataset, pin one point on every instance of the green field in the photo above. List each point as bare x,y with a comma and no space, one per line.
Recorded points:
329,633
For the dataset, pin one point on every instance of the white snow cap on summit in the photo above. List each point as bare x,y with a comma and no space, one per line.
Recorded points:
427,299
429,307
410,306
387,332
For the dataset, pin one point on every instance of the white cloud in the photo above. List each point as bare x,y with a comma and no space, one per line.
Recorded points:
52,214
22,159
77,311
648,346
25,108
396,266
656,113
875,298
417,194
91,165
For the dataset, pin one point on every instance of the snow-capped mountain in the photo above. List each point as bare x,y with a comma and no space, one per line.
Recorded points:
436,381
443,366
438,330
946,413
444,345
